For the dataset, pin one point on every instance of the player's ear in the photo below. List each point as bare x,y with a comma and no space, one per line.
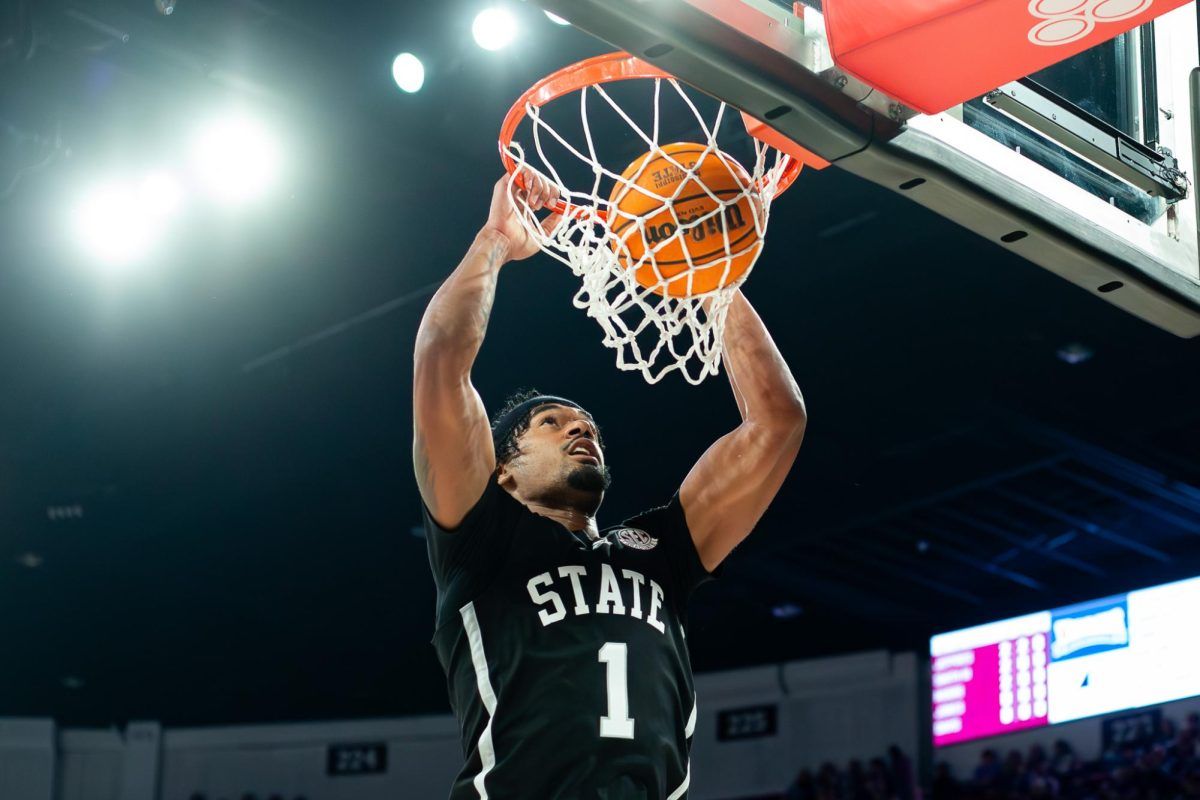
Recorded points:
504,476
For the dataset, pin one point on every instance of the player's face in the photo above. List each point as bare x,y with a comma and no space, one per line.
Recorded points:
560,453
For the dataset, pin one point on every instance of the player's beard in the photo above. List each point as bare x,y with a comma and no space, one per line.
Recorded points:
590,478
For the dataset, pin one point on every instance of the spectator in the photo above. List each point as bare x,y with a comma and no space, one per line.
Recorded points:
880,779
944,786
828,782
1167,767
856,781
1064,761
903,776
879,782
988,772
1014,770
803,788
1166,732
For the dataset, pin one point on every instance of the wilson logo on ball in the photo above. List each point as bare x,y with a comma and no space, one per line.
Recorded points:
686,220
712,226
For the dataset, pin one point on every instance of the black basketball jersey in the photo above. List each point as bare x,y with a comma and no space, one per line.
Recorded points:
565,657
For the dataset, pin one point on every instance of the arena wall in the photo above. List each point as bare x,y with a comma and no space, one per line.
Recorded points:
755,729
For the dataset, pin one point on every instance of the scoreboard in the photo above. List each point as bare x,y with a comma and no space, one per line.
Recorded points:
1119,652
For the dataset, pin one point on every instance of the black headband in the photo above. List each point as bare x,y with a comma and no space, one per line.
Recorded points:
504,426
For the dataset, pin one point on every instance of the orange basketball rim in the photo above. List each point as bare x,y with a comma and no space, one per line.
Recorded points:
621,66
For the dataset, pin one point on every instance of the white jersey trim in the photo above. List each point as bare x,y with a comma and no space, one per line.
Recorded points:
688,730
487,755
683,787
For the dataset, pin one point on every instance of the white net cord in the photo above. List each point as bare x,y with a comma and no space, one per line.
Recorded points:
660,326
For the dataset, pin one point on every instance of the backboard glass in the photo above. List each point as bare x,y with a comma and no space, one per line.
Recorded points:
1086,168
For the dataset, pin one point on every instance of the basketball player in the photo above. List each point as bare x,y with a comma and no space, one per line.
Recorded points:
563,644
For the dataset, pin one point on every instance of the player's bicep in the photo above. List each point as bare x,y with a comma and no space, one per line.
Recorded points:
453,455
730,487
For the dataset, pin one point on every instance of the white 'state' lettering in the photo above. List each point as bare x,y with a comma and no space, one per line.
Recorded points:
613,596
541,598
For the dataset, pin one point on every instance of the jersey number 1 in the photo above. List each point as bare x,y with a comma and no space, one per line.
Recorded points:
617,724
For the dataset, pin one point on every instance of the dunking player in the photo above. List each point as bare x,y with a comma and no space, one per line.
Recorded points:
563,644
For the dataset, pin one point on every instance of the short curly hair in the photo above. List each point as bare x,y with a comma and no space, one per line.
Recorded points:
507,448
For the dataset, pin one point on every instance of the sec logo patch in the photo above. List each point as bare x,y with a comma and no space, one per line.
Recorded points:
636,538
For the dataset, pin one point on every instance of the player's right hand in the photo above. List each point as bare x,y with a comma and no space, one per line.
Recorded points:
503,217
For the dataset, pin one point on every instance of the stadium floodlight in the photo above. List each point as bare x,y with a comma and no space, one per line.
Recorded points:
236,158
160,194
557,20
408,72
112,224
494,28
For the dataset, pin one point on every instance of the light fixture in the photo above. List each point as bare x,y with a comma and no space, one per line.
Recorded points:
494,28
161,194
408,72
236,158
557,20
1075,353
111,224
786,611
119,222
30,560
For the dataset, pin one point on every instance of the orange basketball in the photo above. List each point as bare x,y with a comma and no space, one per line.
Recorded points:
649,220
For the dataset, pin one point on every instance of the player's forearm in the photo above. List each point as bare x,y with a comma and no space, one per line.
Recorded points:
731,373
456,319
761,380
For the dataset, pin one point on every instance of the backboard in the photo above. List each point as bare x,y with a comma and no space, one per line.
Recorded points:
1086,168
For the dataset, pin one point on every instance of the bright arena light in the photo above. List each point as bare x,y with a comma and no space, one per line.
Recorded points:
114,225
236,158
494,28
408,72
557,20
161,194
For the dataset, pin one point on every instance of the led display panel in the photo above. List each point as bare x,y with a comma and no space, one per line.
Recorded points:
1111,654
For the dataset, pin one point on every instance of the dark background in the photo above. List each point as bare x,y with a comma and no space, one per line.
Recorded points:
199,527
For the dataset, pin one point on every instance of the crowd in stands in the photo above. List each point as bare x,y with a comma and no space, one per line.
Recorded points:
1161,766
884,778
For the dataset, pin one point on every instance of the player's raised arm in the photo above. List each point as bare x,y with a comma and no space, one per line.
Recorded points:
452,444
732,484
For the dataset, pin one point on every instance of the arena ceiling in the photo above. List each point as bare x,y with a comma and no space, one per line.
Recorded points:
207,511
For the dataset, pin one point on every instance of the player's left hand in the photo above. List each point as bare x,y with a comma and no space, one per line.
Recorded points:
532,188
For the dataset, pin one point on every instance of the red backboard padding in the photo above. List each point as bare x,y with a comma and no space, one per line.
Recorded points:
934,54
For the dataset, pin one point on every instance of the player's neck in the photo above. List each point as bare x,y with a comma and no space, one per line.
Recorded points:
569,518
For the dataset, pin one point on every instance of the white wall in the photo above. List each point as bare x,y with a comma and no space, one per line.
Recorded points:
26,759
830,709
424,755
737,769
1084,735
853,706
89,764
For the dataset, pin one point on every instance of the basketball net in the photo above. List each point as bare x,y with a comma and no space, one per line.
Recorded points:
651,318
